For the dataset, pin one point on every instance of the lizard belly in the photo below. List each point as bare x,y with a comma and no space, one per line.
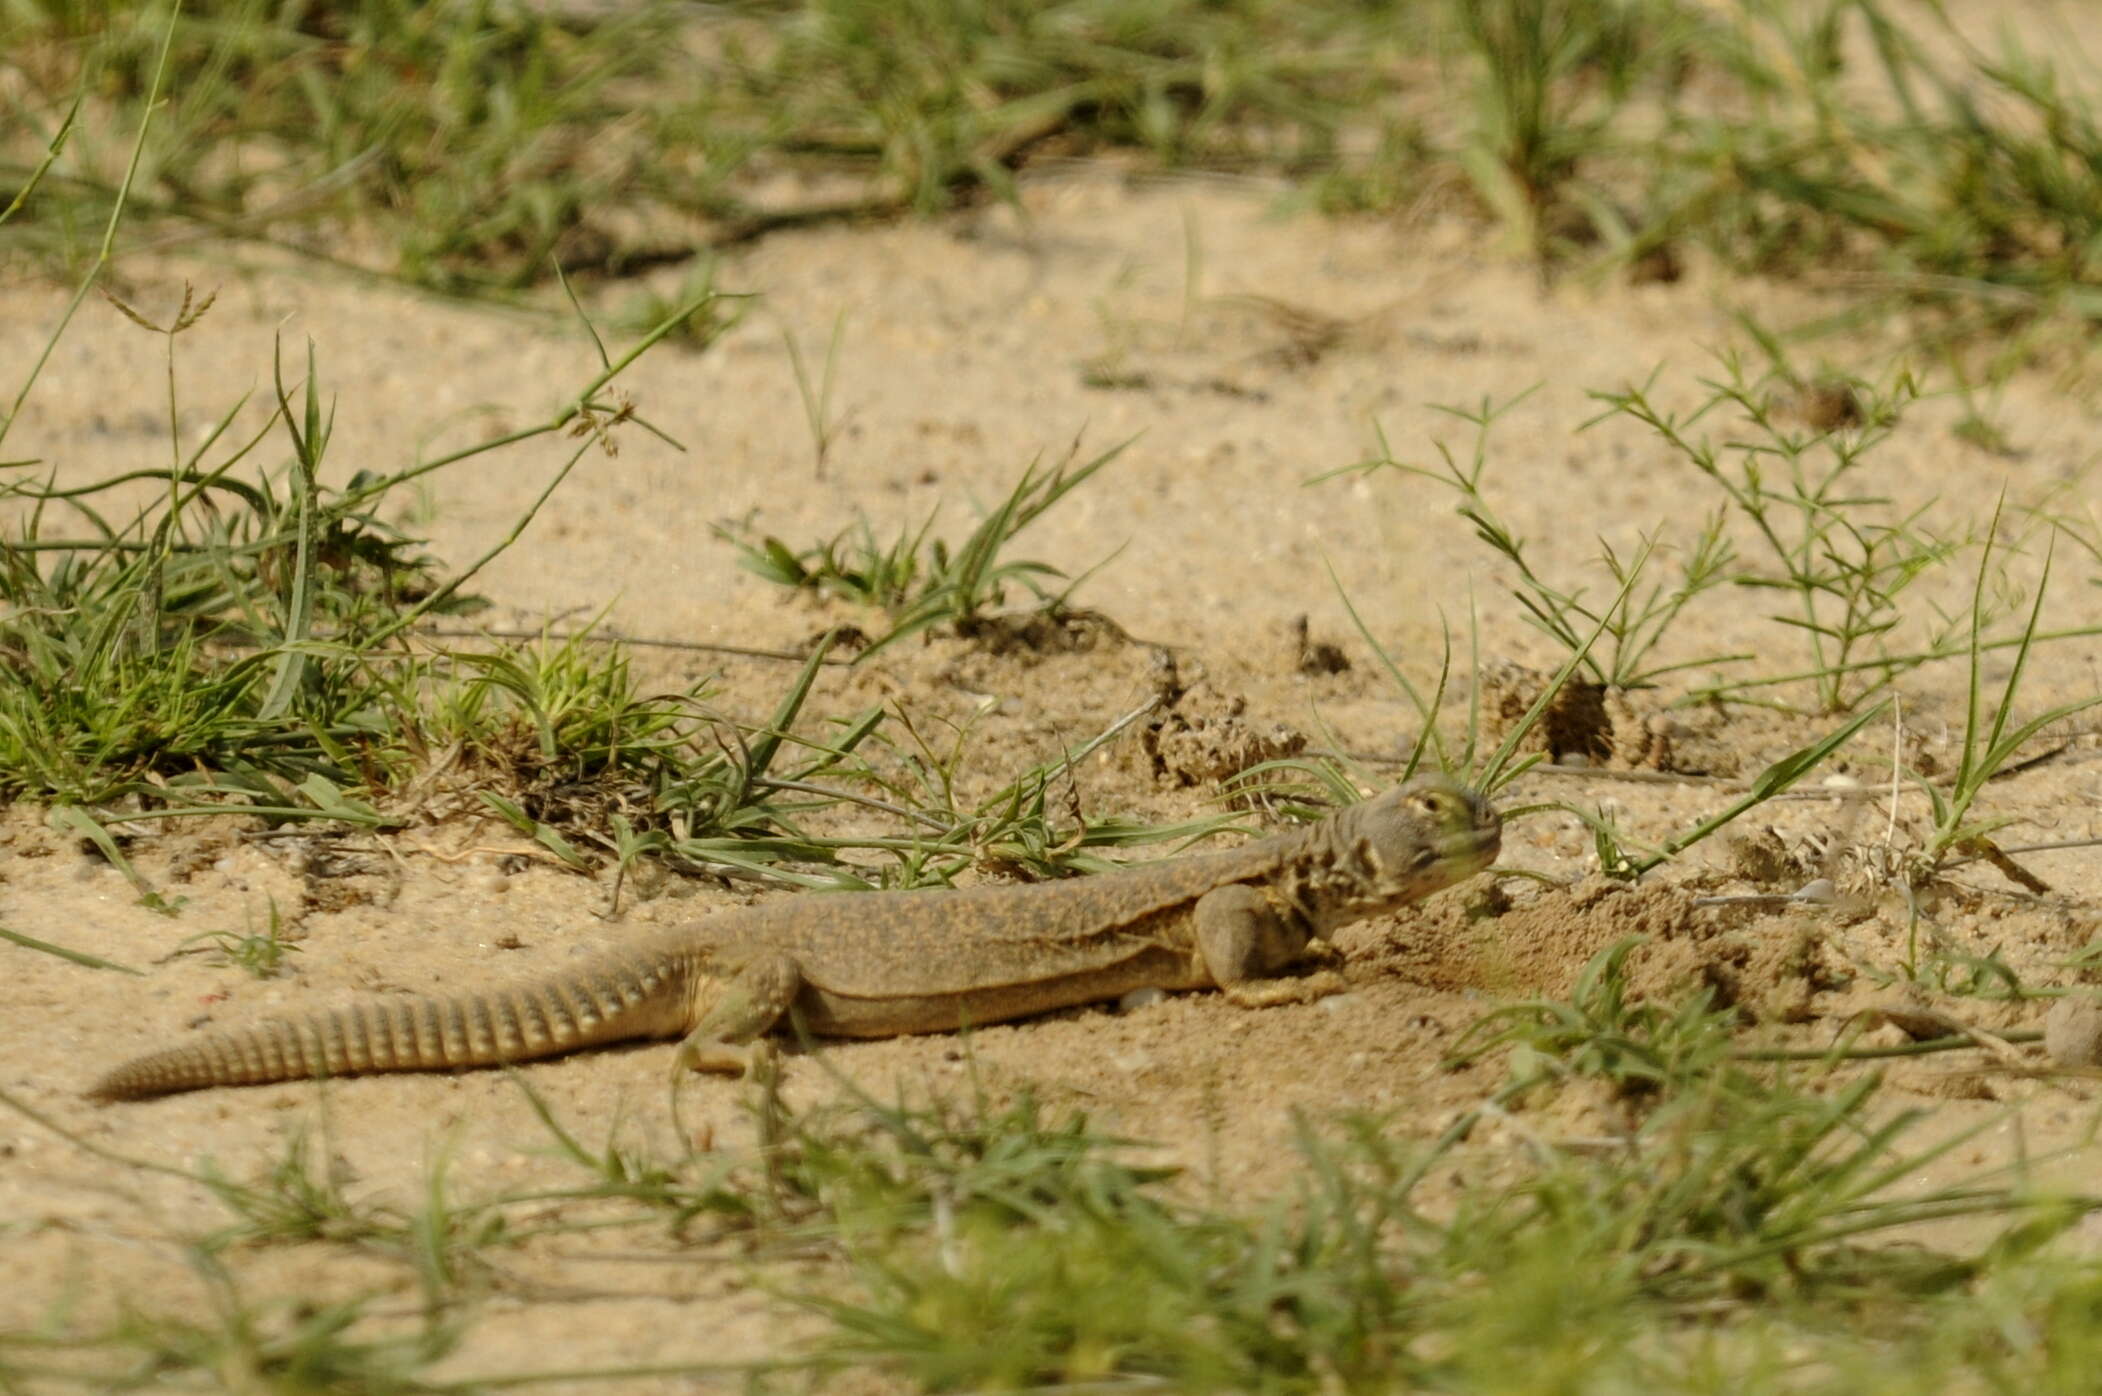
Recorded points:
831,1014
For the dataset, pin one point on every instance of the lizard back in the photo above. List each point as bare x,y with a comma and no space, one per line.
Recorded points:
888,944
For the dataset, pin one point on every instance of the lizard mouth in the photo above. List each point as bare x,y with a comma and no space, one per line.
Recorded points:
1474,846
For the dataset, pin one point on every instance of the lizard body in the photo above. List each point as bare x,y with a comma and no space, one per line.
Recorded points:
883,964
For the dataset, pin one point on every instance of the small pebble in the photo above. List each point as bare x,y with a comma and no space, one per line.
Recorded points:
2073,1030
1140,998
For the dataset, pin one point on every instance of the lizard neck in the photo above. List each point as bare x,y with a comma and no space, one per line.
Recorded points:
1329,876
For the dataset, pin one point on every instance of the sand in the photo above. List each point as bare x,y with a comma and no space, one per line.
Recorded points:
968,349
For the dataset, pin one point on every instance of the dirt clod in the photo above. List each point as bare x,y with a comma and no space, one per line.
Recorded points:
2073,1030
1207,739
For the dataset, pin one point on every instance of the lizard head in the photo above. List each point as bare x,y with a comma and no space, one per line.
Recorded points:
1406,844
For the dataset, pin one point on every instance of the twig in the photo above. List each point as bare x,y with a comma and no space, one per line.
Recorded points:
614,637
1955,1043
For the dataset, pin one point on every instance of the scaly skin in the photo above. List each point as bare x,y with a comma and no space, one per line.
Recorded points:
633,992
888,963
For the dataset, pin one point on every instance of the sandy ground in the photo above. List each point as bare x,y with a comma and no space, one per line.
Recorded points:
967,351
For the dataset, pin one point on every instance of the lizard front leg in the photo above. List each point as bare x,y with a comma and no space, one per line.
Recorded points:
728,1033
1245,942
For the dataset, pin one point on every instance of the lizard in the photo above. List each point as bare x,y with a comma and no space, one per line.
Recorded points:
884,964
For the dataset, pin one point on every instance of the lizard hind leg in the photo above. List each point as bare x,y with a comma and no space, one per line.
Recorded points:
727,1033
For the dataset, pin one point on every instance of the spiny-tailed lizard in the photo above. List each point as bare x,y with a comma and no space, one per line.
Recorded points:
887,963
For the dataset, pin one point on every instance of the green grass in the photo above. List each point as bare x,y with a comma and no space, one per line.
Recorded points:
1791,522
918,582
261,953
486,143
232,641
1614,643
1838,560
243,630
232,633
1755,1214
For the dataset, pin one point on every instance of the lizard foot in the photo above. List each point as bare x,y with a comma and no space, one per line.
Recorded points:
1268,993
722,1058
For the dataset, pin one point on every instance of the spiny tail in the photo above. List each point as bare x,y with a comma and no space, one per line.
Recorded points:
625,995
